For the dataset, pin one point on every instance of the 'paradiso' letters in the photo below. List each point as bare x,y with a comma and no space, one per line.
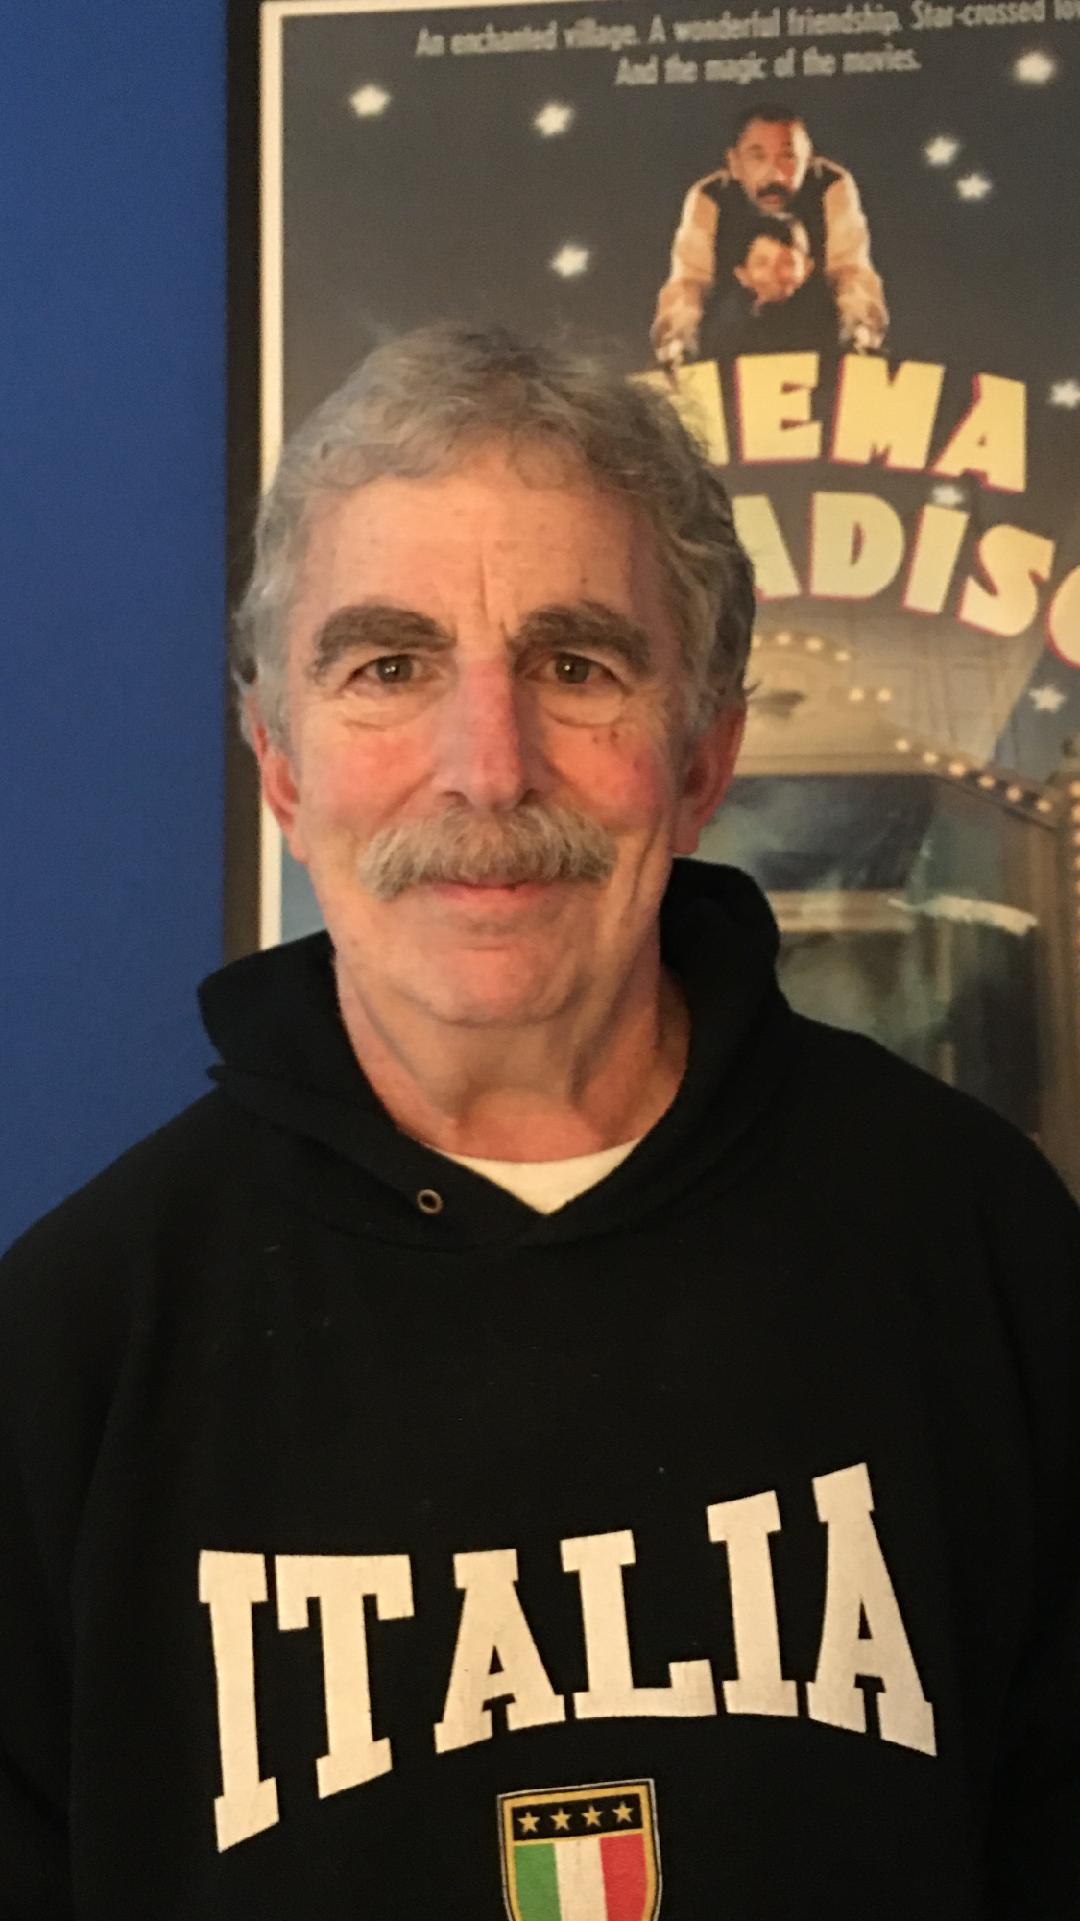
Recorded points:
857,544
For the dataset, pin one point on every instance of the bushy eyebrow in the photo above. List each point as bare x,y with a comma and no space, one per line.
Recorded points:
558,628
586,623
373,623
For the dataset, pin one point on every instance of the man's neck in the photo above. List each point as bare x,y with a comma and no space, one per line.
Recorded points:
591,1079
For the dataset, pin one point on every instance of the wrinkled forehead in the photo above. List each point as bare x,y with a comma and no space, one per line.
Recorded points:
775,135
506,529
512,490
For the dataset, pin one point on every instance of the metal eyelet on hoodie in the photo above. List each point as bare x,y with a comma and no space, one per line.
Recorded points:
429,1201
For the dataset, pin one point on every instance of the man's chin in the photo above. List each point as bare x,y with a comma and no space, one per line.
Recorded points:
492,983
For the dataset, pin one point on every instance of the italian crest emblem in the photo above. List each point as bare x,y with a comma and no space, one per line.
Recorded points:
581,1854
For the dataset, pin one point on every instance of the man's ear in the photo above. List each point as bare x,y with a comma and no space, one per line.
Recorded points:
278,777
741,275
707,775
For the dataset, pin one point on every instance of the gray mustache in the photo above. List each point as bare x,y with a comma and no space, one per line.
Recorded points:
533,842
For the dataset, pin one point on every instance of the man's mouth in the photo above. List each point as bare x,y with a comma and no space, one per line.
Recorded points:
487,886
491,896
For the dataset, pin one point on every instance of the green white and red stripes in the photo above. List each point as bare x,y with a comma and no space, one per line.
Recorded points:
595,1877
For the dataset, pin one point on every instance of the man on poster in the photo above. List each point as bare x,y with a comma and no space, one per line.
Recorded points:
552,1429
772,170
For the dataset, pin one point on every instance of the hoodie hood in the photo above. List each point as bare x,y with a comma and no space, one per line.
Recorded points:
286,1059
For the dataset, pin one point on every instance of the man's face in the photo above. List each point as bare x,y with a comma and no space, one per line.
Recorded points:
466,646
773,271
769,160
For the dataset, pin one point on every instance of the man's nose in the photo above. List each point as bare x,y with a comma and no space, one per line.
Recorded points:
487,751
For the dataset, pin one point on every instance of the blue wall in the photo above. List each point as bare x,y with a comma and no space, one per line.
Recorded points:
112,475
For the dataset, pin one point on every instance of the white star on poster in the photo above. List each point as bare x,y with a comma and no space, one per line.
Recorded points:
1046,700
1065,393
941,149
553,119
368,101
570,261
1035,68
947,495
974,186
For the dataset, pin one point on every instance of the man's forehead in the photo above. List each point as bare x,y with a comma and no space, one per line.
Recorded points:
533,517
773,130
494,484
441,544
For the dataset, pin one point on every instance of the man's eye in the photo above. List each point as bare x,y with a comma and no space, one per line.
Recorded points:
575,670
390,670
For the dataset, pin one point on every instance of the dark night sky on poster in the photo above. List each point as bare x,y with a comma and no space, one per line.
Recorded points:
448,201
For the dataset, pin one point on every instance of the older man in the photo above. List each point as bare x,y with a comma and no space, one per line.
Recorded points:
771,170
553,1434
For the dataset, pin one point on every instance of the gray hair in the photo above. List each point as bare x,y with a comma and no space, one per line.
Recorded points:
422,403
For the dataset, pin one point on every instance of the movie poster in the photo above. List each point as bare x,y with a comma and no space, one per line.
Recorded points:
845,241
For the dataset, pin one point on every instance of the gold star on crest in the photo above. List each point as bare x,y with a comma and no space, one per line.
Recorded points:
529,1823
592,1817
623,1813
561,1820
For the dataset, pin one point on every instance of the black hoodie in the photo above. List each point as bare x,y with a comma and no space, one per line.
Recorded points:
706,1549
